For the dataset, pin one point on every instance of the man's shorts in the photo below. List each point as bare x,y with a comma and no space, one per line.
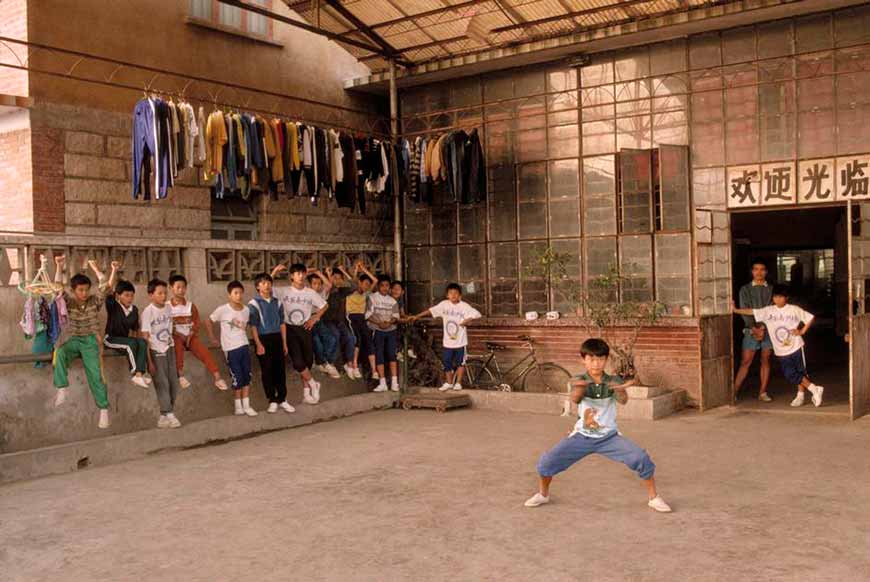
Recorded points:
239,363
750,343
793,367
453,358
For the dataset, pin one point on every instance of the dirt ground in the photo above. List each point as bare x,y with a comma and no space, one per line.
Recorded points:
397,495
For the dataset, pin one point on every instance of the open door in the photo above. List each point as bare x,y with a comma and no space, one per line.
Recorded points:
859,318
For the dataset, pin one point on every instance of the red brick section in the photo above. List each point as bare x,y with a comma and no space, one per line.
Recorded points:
48,185
15,171
669,357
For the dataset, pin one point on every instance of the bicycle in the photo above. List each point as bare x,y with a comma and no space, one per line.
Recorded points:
484,371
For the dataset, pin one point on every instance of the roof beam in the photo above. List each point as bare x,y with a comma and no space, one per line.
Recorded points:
306,27
388,49
425,14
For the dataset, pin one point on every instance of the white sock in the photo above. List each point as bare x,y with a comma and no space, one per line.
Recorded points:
246,403
383,381
238,402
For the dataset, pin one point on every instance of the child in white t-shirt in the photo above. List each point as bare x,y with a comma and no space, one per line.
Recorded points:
233,318
456,314
156,327
786,326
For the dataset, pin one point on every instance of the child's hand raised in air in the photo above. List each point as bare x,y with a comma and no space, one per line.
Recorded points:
116,265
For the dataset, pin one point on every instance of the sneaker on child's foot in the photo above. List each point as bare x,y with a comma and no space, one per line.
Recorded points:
273,408
349,371
315,390
250,411
445,387
659,504
331,371
357,373
817,392
798,400
139,381
104,419
394,386
375,375
457,386
163,421
239,409
61,396
411,354
147,380
764,397
382,387
536,500
286,407
307,398
173,422
220,384
183,382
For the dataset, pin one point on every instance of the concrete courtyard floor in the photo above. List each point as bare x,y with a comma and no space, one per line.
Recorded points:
395,495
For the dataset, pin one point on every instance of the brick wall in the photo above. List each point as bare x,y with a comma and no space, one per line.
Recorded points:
16,211
297,219
13,24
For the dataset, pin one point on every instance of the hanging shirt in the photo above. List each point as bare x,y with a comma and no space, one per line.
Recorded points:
201,152
157,323
452,315
293,140
299,304
597,410
233,325
780,322
216,138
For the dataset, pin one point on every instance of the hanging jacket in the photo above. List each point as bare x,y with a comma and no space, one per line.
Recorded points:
476,191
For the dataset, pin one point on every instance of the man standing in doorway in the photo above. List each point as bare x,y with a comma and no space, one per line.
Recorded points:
755,295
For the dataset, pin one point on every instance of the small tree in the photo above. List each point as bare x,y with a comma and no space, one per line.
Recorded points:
598,303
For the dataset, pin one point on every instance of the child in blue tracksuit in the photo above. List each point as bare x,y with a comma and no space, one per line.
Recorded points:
597,393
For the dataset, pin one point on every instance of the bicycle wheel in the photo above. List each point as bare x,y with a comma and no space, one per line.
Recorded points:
479,376
546,377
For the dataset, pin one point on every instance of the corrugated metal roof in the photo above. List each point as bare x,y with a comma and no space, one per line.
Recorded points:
423,30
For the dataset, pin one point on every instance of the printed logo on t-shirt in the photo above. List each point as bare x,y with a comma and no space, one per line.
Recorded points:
297,316
783,335
161,329
452,329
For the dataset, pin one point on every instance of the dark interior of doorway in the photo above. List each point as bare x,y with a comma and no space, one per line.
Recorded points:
806,250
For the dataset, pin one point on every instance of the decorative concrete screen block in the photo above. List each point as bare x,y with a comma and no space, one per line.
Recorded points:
134,264
49,252
329,260
221,265
78,258
307,258
11,266
250,264
279,258
163,263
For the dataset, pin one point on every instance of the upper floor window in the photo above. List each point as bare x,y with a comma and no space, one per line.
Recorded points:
233,17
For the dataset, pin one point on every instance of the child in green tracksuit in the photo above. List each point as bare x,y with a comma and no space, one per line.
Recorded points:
83,310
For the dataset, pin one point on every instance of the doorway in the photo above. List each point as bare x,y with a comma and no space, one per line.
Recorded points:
807,250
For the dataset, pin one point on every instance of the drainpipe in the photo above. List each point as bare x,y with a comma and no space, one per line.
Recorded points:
397,199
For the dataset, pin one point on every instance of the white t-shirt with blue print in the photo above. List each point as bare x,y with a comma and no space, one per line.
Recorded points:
597,410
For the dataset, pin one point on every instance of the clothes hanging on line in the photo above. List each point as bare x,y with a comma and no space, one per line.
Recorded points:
454,159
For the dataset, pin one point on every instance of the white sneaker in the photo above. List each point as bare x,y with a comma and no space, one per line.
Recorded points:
250,411
358,373
239,411
445,387
536,500
457,386
375,375
147,380
394,386
273,408
286,407
764,397
320,368
163,421
331,371
382,387
817,392
220,384
61,396
659,504
306,396
173,422
315,390
349,371
104,419
183,382
411,354
798,400
140,381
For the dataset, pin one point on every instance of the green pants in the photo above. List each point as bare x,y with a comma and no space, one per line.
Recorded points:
88,349
134,348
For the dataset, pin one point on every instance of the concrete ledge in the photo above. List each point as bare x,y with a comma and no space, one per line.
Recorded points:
114,449
659,406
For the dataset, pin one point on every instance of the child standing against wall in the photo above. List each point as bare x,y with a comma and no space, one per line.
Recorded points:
83,310
336,321
186,322
233,318
122,331
270,337
325,343
157,331
303,308
382,316
456,315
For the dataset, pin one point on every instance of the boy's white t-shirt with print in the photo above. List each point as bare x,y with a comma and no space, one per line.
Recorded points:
453,314
780,322
299,304
234,326
157,323
597,410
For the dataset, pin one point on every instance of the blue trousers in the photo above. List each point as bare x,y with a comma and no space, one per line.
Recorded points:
614,446
345,338
325,344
